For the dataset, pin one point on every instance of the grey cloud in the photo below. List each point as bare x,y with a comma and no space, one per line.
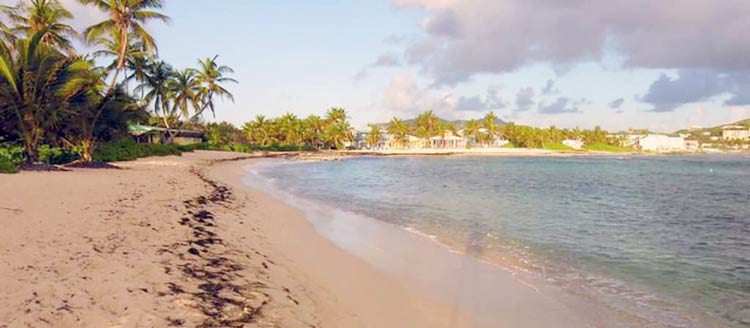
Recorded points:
444,23
617,103
386,60
361,75
525,99
666,94
549,88
476,103
562,105
495,36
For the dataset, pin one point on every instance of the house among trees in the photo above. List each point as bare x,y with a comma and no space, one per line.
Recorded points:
156,135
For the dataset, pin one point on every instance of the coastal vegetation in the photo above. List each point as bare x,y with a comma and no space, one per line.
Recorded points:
55,99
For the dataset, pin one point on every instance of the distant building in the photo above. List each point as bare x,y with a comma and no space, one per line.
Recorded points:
692,145
661,143
735,132
575,144
155,135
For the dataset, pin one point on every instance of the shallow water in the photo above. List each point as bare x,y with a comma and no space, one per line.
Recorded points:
657,236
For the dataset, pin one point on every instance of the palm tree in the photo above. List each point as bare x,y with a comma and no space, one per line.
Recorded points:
290,129
37,83
374,138
126,19
157,88
399,130
313,129
338,133
259,131
212,78
184,89
35,16
471,130
427,124
489,123
336,115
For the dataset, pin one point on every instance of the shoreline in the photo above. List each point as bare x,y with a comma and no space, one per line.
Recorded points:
368,237
183,241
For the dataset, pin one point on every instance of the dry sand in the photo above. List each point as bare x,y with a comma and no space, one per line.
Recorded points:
160,243
180,241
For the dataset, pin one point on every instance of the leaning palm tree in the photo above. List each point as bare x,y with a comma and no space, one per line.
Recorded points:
212,78
126,19
33,16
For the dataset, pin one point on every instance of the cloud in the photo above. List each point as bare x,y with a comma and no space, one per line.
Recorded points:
525,99
549,88
386,60
617,103
562,105
691,86
359,76
464,38
476,103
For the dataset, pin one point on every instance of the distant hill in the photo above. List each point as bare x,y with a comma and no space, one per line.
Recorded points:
716,130
457,123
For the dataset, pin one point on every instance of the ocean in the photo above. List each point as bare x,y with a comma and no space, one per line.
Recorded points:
663,237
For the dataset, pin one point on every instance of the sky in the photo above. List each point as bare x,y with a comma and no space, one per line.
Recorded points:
662,65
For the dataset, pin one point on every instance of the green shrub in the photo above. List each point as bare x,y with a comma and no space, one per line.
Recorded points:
128,150
510,145
57,155
6,166
11,153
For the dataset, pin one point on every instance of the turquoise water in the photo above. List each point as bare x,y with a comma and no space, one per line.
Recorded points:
661,236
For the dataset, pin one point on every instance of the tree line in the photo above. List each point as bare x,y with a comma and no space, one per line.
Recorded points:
50,94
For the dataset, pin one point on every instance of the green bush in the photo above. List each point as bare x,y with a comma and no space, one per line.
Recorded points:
57,155
128,150
6,166
12,154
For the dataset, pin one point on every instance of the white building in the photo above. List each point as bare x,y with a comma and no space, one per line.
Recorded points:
572,143
734,132
661,143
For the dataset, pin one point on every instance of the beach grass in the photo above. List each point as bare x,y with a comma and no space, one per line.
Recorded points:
608,148
555,146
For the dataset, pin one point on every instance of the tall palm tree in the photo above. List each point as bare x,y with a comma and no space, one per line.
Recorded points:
33,16
126,19
157,88
212,78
